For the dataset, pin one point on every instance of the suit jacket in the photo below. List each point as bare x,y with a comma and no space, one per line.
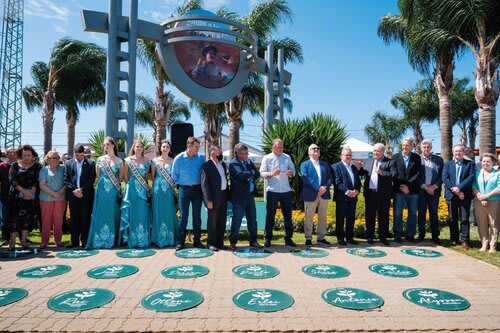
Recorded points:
241,173
343,183
388,171
409,176
465,181
211,182
311,183
437,173
87,177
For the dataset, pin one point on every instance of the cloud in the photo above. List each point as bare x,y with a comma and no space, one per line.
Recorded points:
60,29
47,9
213,5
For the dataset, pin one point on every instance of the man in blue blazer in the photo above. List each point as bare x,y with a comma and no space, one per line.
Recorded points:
316,182
431,174
458,176
347,186
243,175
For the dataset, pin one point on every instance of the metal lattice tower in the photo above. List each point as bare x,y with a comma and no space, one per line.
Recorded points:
11,71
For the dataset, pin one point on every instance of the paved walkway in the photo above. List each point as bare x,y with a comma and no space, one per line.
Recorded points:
453,272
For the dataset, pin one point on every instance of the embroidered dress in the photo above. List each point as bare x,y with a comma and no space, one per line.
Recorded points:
105,212
164,227
135,219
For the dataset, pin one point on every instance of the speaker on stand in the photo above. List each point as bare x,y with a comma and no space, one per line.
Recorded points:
179,133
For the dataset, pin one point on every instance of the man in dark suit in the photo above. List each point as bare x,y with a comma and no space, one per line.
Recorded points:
316,181
458,176
244,176
406,188
347,186
215,188
378,172
431,174
79,177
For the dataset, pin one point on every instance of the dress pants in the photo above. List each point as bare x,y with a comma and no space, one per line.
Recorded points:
216,221
310,208
488,221
285,200
431,202
189,194
377,205
344,215
81,211
411,201
52,218
458,211
248,209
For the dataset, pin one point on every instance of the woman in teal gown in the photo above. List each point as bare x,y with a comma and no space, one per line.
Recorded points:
164,227
135,219
106,210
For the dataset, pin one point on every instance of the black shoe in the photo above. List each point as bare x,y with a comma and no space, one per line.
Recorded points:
420,238
290,242
385,242
223,247
179,247
309,243
199,245
411,239
398,240
213,248
71,246
352,241
342,242
436,241
324,242
267,243
370,241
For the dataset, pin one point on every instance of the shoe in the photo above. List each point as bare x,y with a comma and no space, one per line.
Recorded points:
59,245
398,240
436,241
290,242
352,241
369,241
5,242
26,247
342,242
493,249
232,246
12,249
199,245
324,242
465,246
213,248
267,243
223,247
71,246
420,238
308,242
43,246
255,244
411,239
453,243
483,248
385,242
179,247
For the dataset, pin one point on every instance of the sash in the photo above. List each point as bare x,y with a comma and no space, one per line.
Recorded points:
138,176
165,175
111,175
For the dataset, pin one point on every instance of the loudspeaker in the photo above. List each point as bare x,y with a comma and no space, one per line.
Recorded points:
179,133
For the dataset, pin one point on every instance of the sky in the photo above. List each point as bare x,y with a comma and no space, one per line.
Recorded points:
347,71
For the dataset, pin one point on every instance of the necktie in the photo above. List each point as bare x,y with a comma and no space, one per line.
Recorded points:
459,170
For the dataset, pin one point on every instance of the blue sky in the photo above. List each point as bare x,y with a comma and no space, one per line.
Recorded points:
347,69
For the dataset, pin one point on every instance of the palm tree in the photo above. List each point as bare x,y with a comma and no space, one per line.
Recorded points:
407,29
75,74
476,24
385,129
213,120
465,111
96,142
178,110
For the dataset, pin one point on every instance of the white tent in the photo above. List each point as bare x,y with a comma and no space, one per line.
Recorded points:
360,150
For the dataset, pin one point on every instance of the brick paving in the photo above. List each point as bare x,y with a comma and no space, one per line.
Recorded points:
477,281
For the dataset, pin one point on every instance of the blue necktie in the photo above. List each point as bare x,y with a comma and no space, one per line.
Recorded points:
459,170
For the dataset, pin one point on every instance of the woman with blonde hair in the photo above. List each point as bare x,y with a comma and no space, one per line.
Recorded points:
52,198
486,190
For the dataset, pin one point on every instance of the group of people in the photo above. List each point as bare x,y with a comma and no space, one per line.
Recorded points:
104,216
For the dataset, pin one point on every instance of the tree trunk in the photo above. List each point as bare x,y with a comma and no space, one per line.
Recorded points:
443,82
463,136
212,127
486,91
161,110
472,132
418,137
234,112
48,119
71,124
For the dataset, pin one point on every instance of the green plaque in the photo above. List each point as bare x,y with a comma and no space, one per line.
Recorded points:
255,271
172,300
11,295
77,254
185,271
436,299
251,253
80,300
193,253
393,270
352,298
263,300
325,271
366,252
309,252
135,253
425,253
19,253
43,271
112,271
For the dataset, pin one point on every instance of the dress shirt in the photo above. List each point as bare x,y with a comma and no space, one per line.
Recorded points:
223,180
279,183
374,176
406,160
185,170
428,166
79,165
458,166
317,168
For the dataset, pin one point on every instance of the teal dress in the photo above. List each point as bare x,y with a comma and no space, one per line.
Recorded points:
164,228
135,219
105,212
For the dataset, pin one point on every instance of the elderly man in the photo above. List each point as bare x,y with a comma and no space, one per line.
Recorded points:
243,175
214,186
186,174
347,187
4,191
378,172
430,190
458,176
277,168
406,189
316,182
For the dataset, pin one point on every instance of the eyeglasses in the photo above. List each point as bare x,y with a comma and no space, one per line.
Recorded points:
53,158
347,155
316,148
